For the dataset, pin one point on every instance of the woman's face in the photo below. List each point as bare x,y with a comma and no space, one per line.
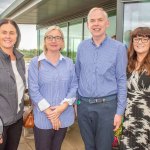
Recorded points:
141,45
54,41
8,36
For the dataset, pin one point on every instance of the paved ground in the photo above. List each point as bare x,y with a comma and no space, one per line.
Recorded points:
72,140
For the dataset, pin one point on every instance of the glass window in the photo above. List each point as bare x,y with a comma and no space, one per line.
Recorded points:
28,44
112,28
75,37
41,39
135,15
87,33
64,30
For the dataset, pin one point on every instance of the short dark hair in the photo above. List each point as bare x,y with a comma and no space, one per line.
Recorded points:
12,22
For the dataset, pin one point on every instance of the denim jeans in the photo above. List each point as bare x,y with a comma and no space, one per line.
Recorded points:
49,139
96,124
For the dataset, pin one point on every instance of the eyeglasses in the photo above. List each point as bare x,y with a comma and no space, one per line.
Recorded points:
56,38
142,39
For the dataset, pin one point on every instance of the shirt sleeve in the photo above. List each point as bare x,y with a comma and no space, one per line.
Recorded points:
43,104
77,65
69,100
121,66
33,86
71,95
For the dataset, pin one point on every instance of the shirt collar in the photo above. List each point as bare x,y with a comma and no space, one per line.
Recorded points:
101,43
15,51
43,56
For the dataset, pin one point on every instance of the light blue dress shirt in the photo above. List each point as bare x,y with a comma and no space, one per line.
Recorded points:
51,85
101,70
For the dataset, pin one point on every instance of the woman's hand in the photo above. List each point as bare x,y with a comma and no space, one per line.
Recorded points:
56,111
56,124
54,121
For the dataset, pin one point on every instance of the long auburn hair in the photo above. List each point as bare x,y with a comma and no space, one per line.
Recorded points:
132,55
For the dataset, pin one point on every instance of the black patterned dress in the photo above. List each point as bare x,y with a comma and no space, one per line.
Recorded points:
136,126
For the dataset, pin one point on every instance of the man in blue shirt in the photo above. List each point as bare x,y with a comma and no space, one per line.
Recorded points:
101,71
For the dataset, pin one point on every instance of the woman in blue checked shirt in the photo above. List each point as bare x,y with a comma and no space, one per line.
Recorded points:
52,88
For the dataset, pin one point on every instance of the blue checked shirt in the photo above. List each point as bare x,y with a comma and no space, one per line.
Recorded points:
101,70
51,85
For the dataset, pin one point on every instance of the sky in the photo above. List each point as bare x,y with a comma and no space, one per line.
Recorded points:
28,37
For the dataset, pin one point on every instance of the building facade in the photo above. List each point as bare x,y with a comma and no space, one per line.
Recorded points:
70,15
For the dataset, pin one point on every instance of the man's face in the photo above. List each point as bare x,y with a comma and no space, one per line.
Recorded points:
97,23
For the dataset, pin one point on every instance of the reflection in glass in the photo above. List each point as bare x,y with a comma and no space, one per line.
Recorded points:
111,30
64,30
87,33
75,37
135,15
41,39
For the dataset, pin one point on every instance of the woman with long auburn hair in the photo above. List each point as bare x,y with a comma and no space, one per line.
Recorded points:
136,132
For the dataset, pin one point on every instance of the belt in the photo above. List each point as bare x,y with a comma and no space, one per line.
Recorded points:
93,100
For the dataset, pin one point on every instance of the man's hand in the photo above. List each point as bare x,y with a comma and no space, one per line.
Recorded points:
117,121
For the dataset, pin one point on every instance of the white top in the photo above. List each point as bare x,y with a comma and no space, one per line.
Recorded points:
19,83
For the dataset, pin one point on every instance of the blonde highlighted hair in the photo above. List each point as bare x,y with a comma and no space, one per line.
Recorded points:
51,28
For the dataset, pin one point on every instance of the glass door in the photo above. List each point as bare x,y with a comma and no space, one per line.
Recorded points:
130,15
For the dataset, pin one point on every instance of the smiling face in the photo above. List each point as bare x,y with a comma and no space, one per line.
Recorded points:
98,23
8,36
54,40
141,45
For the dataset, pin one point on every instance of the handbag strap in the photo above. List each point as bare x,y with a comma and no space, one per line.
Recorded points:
27,112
